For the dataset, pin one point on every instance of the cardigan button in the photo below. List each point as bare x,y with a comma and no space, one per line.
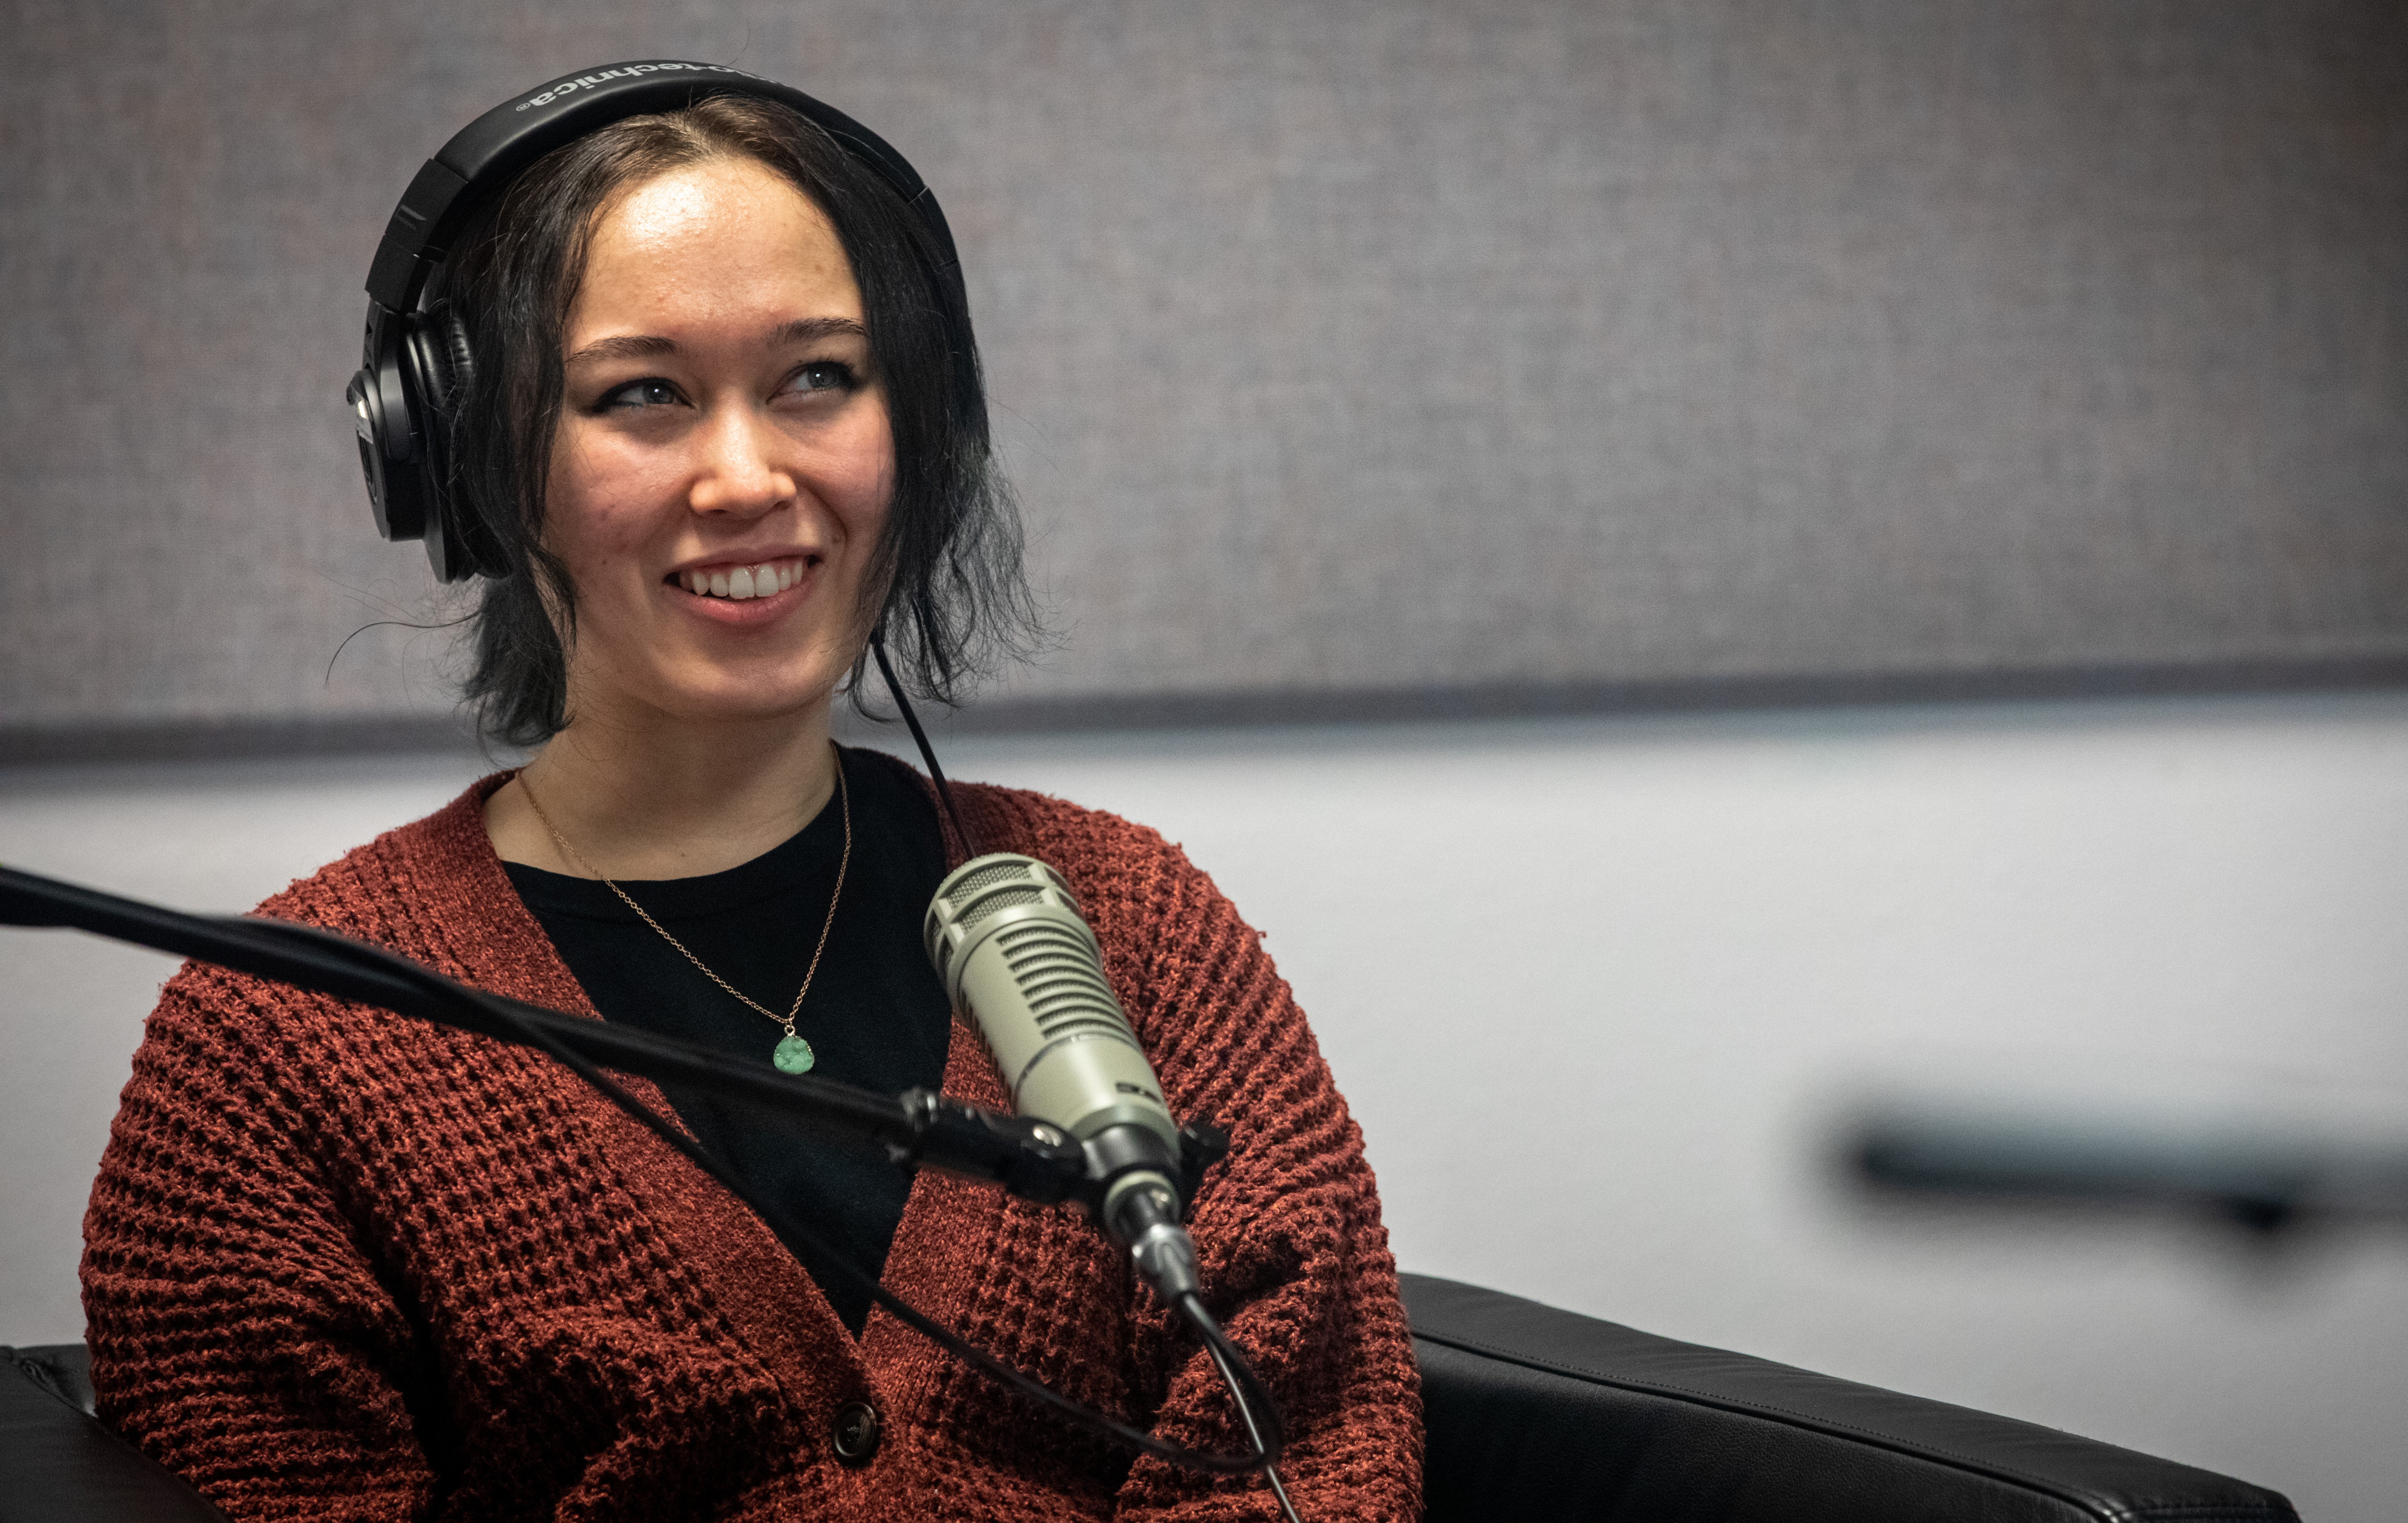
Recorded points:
856,1431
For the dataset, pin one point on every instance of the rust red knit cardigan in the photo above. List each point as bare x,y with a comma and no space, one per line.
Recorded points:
342,1265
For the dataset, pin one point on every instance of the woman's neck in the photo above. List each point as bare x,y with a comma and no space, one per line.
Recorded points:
671,799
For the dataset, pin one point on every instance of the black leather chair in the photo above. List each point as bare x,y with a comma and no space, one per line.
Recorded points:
59,1465
1533,1412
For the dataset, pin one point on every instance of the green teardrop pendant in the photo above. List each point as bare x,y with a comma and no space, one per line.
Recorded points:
794,1056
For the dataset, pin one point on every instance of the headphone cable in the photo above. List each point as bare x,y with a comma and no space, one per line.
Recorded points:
920,738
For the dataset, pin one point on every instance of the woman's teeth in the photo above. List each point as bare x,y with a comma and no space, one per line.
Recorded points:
762,580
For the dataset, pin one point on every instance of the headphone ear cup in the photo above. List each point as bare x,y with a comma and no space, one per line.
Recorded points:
452,363
442,366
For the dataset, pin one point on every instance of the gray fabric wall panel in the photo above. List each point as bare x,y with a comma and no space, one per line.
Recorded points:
1337,346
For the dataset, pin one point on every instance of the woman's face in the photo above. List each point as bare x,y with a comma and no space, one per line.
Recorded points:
723,462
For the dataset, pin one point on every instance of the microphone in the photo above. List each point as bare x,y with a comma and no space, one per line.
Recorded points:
1020,960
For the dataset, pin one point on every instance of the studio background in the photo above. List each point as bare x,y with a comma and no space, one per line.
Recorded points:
1651,426
1415,352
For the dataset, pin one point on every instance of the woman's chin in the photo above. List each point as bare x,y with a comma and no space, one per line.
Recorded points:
712,699
754,704
695,678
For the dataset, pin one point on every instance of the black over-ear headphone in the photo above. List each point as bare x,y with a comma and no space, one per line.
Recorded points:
418,363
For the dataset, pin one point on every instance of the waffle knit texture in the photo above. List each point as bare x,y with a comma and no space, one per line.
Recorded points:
340,1264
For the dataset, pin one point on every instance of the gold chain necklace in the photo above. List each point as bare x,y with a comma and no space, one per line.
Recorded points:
793,1055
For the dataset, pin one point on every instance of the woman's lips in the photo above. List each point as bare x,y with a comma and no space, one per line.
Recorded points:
741,595
761,579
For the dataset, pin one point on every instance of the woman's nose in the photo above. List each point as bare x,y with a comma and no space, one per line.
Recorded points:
739,472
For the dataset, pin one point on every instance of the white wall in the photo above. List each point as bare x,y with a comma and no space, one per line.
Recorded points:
1600,989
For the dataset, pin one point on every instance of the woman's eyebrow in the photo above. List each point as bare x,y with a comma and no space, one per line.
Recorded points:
802,330
622,347
807,330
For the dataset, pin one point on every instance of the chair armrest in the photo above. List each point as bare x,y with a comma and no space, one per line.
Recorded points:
1534,1412
58,1464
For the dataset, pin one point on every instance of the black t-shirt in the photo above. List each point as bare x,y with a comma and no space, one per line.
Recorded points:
876,1016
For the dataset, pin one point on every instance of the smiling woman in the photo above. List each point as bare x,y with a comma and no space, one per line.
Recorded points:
707,413
718,488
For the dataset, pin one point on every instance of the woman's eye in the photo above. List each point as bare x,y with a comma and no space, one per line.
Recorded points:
823,376
652,391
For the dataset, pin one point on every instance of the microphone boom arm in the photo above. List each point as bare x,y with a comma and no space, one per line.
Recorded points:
919,1128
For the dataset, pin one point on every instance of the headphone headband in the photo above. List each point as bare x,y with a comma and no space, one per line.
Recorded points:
489,152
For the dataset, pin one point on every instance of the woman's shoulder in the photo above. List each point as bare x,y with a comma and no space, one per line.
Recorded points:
1074,837
428,890
1140,892
1077,841
440,863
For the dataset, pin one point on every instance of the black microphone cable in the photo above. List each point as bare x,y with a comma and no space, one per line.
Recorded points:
1245,1391
1225,1355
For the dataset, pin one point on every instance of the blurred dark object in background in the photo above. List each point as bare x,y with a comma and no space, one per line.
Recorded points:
2263,1181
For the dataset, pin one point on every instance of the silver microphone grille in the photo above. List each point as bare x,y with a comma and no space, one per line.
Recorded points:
1011,869
975,893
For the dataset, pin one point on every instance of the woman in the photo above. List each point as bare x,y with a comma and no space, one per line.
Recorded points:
340,1265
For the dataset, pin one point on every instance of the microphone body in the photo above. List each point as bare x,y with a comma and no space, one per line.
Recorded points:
1018,959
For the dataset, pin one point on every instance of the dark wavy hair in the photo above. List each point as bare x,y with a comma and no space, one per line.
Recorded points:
945,576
